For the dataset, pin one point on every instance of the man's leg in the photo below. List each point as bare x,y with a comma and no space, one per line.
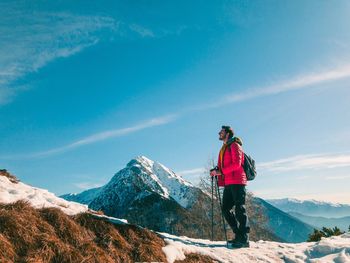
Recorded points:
241,213
227,204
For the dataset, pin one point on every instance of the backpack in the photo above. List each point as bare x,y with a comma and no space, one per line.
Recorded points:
249,167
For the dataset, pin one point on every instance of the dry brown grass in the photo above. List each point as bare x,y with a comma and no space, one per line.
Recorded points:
195,258
12,178
7,253
48,235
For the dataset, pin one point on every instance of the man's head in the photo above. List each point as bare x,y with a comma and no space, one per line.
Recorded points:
225,133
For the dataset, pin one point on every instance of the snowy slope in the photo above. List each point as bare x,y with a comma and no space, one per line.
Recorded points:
333,249
41,198
38,198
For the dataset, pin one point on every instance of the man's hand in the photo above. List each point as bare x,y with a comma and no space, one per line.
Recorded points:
215,173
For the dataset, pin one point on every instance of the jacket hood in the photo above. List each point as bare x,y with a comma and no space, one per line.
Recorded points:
235,139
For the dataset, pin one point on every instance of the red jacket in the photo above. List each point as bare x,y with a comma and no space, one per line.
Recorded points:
232,164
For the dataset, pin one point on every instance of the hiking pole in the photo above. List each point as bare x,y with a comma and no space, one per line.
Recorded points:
222,216
212,208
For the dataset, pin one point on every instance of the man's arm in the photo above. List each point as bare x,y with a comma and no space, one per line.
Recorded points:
236,155
216,172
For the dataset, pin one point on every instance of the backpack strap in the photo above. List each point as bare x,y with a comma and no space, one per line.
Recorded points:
229,148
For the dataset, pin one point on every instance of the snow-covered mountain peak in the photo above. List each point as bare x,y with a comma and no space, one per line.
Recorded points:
146,176
160,170
318,202
141,161
144,160
162,180
293,200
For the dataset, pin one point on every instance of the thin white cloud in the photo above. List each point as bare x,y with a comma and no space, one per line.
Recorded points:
306,81
296,83
142,31
30,40
295,163
98,137
306,162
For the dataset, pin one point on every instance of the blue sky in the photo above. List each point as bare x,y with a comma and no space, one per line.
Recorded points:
85,87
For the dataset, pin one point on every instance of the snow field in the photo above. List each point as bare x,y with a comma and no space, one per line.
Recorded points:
333,249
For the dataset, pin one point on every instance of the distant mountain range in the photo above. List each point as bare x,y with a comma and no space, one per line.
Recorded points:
342,223
316,213
311,207
147,193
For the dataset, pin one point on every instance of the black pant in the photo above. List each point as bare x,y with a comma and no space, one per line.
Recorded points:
234,196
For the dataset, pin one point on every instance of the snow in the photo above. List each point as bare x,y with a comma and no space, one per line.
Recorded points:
152,178
38,198
171,184
318,202
112,219
311,201
332,249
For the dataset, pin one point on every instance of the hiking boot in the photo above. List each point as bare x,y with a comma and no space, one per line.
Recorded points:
239,244
232,241
237,239
241,240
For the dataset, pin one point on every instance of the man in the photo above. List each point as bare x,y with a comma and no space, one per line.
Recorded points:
231,175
